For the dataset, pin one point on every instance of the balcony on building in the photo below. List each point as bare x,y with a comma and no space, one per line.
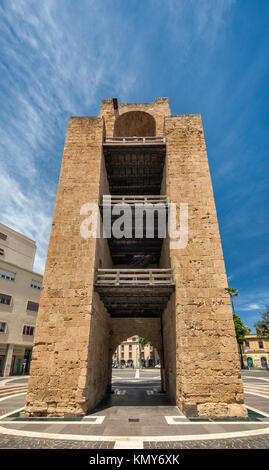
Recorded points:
137,284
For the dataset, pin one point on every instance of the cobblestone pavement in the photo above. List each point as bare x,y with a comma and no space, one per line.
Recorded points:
16,442
261,442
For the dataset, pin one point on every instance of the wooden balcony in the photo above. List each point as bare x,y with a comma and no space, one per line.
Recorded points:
134,168
124,249
154,140
134,292
133,200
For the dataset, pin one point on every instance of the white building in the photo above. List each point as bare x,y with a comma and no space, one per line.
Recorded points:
132,353
20,290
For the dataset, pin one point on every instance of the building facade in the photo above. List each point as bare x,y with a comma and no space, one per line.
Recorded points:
131,353
100,290
256,351
20,289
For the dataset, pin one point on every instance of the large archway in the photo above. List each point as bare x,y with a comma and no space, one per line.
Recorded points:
135,123
150,329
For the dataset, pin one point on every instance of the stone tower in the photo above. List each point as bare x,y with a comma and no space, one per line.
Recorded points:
99,291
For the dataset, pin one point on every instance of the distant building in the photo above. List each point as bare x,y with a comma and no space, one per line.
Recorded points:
20,289
132,353
256,351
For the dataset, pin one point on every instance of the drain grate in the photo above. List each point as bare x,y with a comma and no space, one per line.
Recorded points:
133,420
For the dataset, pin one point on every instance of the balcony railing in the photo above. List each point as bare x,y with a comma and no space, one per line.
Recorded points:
134,140
133,200
134,277
254,351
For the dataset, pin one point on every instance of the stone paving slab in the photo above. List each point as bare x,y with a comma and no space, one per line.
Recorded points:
17,442
257,402
132,429
261,442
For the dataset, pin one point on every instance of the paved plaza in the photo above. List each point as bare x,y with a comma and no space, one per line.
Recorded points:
137,415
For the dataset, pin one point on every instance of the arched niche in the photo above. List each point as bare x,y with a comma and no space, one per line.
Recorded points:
135,123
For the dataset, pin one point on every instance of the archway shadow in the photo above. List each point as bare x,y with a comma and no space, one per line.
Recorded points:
135,397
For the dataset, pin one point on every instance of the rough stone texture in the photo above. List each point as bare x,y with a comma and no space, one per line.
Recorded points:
206,368
75,337
72,324
159,109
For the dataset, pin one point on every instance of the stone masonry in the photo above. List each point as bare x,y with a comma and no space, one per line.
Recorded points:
76,336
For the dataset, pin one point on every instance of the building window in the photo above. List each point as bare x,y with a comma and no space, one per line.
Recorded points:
263,362
130,347
7,275
33,306
36,285
260,344
28,330
247,344
5,299
3,236
3,327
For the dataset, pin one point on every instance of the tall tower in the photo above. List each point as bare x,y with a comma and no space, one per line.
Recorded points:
99,291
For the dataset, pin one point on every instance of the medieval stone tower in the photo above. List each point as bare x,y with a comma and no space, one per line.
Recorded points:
99,291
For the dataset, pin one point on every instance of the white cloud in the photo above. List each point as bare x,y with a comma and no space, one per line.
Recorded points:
251,307
51,70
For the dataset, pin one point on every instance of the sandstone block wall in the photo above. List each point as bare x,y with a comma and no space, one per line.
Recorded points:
207,376
159,109
72,323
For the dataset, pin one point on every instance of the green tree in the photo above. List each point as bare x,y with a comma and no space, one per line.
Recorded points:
262,326
240,331
232,293
142,341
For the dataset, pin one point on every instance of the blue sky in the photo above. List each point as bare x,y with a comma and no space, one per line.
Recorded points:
60,58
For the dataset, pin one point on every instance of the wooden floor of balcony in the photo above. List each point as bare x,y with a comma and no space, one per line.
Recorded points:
134,169
124,249
134,292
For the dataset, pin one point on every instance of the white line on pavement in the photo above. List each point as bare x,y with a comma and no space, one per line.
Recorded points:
4,382
12,396
11,413
258,411
258,394
190,437
171,419
128,445
256,378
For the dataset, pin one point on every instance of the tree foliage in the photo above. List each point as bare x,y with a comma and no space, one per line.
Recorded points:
232,293
240,329
262,326
142,341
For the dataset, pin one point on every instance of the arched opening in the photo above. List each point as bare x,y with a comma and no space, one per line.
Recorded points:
135,123
250,362
135,352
